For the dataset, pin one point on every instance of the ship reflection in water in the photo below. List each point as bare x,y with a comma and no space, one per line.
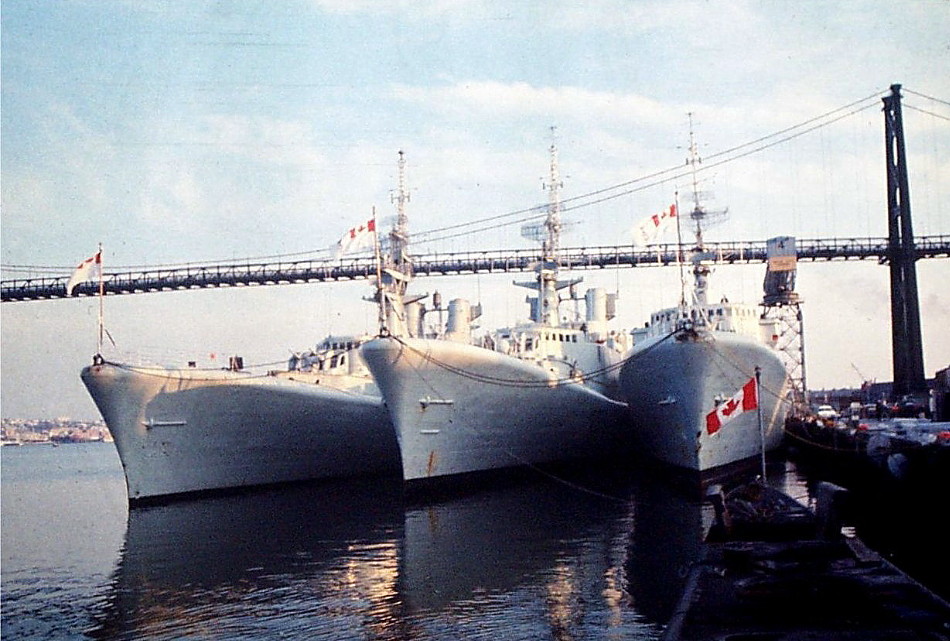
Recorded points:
535,558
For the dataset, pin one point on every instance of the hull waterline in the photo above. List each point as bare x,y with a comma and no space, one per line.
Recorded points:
458,408
670,385
186,431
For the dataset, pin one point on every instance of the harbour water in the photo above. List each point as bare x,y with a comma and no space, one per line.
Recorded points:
586,557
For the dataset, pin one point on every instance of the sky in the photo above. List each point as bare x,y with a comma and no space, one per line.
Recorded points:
178,131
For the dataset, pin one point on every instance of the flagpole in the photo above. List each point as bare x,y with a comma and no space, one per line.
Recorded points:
758,409
379,276
101,306
679,249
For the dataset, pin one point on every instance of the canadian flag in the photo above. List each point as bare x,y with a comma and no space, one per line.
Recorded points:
89,269
745,399
651,227
357,237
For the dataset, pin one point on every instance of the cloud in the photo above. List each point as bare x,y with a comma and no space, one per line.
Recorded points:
494,100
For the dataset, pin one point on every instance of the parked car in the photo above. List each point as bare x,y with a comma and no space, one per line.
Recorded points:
826,412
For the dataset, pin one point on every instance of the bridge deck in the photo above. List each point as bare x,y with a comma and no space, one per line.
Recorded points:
305,271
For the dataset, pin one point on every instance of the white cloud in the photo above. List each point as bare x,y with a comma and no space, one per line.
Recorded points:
497,100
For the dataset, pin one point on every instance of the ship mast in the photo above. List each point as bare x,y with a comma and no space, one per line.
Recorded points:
394,270
550,248
698,215
552,224
399,236
544,308
693,160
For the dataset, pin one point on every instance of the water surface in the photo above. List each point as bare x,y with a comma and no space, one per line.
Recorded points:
535,558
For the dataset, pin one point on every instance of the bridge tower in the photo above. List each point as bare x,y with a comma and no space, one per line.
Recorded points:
906,344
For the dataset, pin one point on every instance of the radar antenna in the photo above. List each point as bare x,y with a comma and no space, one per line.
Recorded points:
551,245
700,215
399,236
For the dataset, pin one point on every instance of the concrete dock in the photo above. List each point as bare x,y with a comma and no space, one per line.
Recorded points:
774,571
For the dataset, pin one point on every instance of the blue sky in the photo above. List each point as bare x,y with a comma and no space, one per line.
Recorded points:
177,131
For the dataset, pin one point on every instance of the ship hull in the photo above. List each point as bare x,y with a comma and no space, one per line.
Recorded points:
459,409
671,384
186,431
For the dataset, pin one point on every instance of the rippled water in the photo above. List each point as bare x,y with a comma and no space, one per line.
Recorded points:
538,558
532,559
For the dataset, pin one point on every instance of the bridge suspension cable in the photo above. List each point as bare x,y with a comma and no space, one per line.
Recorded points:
535,212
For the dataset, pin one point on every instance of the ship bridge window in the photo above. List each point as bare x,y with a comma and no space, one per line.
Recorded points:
342,359
333,361
528,344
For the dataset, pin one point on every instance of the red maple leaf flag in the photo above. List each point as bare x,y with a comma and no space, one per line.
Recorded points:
89,269
744,400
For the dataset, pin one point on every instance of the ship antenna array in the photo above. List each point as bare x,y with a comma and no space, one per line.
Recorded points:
699,214
693,160
553,222
548,231
399,236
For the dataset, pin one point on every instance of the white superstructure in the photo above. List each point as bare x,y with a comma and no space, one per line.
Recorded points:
534,393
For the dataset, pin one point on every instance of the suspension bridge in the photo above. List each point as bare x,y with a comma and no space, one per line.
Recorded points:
257,273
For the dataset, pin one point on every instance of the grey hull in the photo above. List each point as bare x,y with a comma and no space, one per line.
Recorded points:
459,408
670,385
179,432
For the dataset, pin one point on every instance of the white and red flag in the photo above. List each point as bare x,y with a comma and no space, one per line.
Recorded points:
745,399
89,269
358,237
650,228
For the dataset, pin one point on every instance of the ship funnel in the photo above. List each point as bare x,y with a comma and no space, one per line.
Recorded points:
414,319
598,303
459,327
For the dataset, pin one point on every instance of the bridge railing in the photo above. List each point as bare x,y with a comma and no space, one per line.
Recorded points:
247,273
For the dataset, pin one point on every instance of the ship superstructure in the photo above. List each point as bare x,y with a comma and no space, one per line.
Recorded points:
536,392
